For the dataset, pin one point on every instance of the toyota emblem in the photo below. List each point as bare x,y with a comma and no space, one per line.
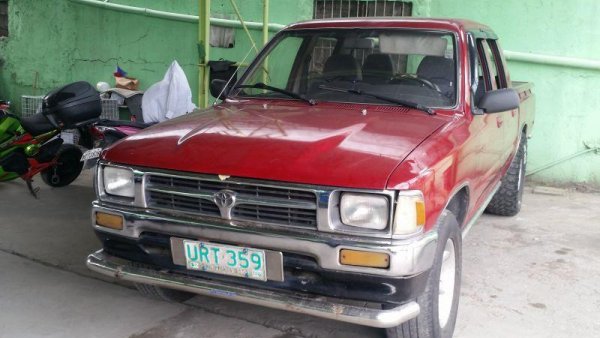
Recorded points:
225,200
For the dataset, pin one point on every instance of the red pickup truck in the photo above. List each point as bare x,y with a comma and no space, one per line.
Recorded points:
336,178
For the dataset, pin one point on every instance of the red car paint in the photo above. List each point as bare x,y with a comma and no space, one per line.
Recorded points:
285,141
337,144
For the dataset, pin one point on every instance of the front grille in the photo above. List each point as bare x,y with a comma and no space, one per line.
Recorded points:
182,203
286,216
255,202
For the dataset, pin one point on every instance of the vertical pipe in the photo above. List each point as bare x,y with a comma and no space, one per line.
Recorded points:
265,30
349,5
204,49
243,23
265,33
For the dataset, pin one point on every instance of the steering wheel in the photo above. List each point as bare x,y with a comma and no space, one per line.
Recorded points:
419,80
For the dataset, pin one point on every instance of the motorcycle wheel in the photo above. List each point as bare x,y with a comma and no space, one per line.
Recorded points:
67,169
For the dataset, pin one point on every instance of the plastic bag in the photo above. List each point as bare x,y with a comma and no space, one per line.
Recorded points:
169,98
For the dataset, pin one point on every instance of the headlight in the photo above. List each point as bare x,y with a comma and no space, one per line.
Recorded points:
118,181
410,213
364,210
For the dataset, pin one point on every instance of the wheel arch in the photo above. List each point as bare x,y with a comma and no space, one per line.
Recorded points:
458,203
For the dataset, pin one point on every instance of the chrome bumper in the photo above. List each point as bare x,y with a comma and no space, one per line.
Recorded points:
315,306
408,257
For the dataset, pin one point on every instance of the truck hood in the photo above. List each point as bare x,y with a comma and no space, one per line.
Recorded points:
344,145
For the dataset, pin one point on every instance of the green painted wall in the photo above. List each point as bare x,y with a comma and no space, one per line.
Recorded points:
63,41
568,103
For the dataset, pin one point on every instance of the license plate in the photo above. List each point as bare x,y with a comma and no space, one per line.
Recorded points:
91,154
225,259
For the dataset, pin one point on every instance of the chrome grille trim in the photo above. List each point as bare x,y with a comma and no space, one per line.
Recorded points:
242,199
327,202
254,202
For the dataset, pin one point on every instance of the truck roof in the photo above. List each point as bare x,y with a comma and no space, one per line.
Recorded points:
391,22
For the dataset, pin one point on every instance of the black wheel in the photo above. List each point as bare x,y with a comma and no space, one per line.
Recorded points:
67,169
439,301
507,200
169,295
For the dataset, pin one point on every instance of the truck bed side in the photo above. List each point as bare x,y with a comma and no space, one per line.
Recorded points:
527,106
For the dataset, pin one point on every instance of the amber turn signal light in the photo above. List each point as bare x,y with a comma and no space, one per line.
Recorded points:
109,221
420,205
364,258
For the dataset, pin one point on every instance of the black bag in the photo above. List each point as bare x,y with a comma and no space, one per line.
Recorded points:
223,70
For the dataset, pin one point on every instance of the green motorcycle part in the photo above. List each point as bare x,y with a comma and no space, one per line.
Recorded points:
32,149
9,128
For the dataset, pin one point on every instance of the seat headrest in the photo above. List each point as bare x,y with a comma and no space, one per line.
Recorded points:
436,67
342,66
378,65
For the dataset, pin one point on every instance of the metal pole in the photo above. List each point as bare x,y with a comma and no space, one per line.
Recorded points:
204,49
273,27
239,15
553,60
265,30
265,37
564,159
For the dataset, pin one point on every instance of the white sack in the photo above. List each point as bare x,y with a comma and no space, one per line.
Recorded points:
169,98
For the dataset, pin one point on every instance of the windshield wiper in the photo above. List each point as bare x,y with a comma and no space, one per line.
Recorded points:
260,85
409,104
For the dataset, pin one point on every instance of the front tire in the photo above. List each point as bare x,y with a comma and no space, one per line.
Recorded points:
67,168
508,198
439,301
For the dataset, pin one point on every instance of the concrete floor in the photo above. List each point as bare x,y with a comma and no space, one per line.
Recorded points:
534,275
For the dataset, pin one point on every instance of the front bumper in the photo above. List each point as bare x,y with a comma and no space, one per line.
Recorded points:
314,281
408,257
316,306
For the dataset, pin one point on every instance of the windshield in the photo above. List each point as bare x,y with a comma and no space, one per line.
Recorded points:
347,65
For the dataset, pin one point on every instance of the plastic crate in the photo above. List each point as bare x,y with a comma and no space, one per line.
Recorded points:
110,109
31,105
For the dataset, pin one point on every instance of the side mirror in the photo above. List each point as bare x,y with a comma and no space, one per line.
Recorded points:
217,89
499,100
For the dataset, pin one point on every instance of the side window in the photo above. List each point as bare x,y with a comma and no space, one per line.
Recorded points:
486,58
497,59
493,67
480,74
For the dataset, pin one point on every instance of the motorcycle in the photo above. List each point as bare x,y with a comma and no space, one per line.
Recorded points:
106,132
33,145
168,98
